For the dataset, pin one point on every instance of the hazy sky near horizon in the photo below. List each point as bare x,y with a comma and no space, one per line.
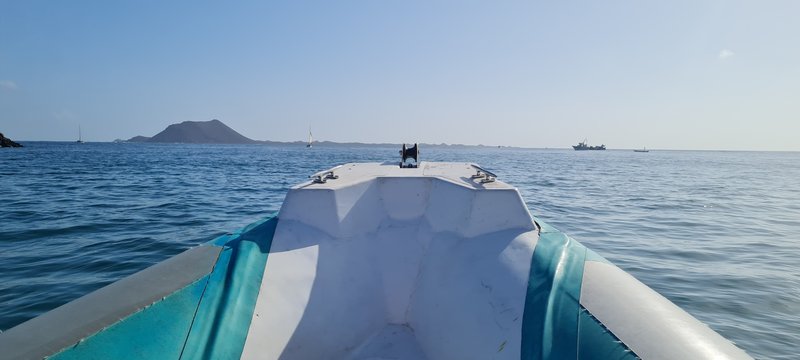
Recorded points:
667,74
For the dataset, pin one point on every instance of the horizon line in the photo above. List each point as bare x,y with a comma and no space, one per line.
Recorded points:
322,142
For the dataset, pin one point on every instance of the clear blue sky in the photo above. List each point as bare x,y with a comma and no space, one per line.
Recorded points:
662,74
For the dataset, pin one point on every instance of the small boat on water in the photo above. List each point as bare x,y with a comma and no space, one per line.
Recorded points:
310,138
426,260
80,139
644,149
584,146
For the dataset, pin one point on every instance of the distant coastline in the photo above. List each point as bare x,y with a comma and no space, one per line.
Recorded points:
332,144
216,132
350,144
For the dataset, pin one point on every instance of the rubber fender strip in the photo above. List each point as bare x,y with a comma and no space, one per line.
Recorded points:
552,307
155,332
223,318
596,342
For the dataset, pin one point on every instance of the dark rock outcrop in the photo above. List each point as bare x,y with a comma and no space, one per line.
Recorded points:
6,142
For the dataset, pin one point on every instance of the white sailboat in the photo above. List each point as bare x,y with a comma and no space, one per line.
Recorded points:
310,138
80,140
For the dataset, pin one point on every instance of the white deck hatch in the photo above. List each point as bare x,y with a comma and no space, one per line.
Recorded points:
423,262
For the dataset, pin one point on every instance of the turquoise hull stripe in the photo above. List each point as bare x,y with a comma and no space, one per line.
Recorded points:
155,332
207,319
223,318
552,303
554,324
597,343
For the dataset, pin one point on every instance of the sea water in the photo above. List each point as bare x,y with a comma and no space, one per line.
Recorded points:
718,233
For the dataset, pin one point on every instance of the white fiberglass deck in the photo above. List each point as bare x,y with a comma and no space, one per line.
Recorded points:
391,263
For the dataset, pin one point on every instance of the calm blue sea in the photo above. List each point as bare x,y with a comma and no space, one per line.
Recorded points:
718,233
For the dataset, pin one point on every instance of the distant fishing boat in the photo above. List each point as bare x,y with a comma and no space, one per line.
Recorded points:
426,260
80,140
310,138
644,149
584,146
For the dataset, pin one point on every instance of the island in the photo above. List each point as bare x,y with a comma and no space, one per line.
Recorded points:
197,132
216,132
6,142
